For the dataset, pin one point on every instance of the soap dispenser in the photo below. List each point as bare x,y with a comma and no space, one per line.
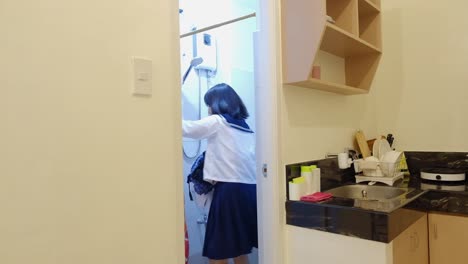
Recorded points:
312,178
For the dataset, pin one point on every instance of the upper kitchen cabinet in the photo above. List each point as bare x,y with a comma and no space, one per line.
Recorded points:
341,38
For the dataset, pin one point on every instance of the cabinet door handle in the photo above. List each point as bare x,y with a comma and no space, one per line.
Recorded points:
416,239
412,243
435,231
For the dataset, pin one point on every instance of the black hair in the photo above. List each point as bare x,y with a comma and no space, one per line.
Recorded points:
222,99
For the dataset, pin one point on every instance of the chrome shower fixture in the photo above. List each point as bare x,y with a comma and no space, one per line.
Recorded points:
194,63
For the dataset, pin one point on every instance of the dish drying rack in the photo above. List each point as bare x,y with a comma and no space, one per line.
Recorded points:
379,171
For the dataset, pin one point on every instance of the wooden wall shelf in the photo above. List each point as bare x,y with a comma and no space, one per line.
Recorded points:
355,37
329,87
343,44
367,7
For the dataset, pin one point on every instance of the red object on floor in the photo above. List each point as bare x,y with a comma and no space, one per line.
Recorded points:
186,244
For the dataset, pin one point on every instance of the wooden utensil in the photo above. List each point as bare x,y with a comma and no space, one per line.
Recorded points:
362,143
370,143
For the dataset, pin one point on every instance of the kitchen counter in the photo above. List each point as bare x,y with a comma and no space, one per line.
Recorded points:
350,221
365,220
450,197
441,201
369,220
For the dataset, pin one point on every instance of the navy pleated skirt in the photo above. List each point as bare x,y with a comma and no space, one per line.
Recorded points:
231,230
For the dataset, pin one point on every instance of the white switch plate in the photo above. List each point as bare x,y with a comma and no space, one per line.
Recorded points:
142,76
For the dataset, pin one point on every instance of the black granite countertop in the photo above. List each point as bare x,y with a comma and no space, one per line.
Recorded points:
440,197
369,220
357,219
349,221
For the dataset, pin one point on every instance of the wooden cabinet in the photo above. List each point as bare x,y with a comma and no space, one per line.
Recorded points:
347,50
448,239
410,247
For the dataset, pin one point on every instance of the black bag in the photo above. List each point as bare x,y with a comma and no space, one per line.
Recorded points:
196,177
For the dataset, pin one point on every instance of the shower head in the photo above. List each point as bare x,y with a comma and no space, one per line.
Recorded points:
193,63
196,61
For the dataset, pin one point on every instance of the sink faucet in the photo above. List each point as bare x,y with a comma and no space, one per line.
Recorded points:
364,194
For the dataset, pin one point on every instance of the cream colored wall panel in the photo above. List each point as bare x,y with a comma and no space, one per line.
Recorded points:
418,94
312,246
88,173
316,123
421,94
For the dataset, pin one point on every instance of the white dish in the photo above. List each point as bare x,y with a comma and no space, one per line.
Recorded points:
373,172
381,146
372,159
392,156
387,180
370,167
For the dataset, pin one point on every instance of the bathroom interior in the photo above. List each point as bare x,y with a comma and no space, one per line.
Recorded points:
223,54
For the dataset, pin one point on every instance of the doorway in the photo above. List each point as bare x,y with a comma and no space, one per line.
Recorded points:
222,54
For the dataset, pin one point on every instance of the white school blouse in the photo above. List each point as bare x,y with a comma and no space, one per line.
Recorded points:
230,152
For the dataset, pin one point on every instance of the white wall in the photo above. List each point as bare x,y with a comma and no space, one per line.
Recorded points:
311,246
419,94
421,90
89,173
313,124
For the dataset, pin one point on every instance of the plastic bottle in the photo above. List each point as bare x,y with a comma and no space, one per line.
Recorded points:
297,188
316,176
310,181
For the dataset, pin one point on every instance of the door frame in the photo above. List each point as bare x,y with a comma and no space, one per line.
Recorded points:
270,196
270,191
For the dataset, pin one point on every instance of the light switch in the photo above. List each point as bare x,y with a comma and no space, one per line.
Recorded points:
142,76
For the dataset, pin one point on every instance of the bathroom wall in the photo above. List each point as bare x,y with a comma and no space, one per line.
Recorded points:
85,165
234,66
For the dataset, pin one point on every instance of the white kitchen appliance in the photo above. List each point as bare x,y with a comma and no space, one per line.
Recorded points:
443,174
443,187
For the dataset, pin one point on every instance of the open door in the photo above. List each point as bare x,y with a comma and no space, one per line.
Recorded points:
270,198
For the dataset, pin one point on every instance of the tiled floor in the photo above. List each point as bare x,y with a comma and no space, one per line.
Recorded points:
199,259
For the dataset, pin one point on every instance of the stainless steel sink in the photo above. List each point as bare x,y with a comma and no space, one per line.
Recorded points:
366,192
377,198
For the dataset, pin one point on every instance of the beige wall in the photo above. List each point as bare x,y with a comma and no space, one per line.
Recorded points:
311,246
315,123
88,173
419,94
421,90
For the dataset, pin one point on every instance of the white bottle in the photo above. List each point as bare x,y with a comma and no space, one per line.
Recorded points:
307,173
296,191
316,178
